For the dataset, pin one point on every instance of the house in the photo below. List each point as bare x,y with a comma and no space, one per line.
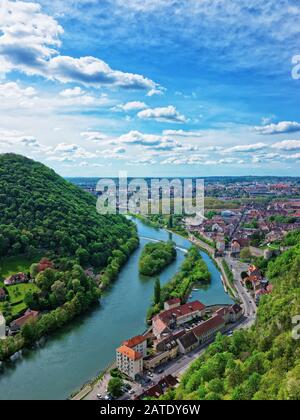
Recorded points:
208,329
29,315
129,361
168,320
165,351
172,303
236,312
138,343
187,342
2,294
16,279
2,327
160,388
235,248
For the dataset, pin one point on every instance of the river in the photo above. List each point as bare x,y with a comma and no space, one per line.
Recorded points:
80,351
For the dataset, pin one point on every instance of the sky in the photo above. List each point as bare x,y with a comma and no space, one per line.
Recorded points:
152,87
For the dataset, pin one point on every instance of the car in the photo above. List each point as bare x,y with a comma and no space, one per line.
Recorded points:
107,397
160,371
131,392
99,396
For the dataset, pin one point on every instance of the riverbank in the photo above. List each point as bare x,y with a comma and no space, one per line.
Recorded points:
86,347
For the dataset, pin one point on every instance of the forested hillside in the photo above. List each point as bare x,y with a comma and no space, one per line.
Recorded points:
262,363
41,210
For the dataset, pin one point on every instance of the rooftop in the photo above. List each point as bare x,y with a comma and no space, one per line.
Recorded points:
214,322
130,353
132,342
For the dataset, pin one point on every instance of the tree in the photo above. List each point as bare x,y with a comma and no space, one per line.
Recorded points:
157,290
34,270
246,254
59,290
115,387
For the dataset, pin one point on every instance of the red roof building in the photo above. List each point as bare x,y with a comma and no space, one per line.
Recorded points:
27,317
169,319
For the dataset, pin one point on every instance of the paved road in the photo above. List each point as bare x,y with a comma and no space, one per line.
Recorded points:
248,303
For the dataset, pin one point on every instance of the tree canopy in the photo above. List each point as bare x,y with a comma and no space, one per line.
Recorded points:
156,256
41,210
262,363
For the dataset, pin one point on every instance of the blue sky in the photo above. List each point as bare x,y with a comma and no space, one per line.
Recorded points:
152,87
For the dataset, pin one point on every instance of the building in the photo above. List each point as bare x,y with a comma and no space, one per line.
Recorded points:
138,344
187,342
29,315
167,321
160,388
172,303
236,312
16,279
208,329
129,362
2,327
2,294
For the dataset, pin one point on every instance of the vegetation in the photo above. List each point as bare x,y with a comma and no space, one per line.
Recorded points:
64,295
262,363
155,257
41,211
42,214
115,386
193,270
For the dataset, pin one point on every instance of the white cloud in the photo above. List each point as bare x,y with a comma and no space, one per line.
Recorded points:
156,91
287,145
130,106
279,128
28,42
17,138
182,133
70,93
164,114
246,148
93,136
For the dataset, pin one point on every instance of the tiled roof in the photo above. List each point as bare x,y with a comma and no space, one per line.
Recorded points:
173,301
186,309
130,353
188,340
132,342
211,323
29,315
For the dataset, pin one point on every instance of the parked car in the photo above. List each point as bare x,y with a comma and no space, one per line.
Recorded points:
131,392
99,396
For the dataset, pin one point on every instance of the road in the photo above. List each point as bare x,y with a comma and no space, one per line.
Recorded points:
248,303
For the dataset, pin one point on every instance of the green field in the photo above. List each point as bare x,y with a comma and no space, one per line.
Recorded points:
13,265
19,264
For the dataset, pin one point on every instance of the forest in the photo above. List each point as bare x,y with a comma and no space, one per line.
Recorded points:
39,210
43,214
262,363
155,257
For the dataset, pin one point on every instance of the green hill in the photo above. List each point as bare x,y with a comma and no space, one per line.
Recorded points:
39,210
262,363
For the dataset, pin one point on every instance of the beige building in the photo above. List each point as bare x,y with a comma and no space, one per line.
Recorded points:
2,327
129,361
138,344
170,319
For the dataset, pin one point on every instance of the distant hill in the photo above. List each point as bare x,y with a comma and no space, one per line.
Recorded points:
41,210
